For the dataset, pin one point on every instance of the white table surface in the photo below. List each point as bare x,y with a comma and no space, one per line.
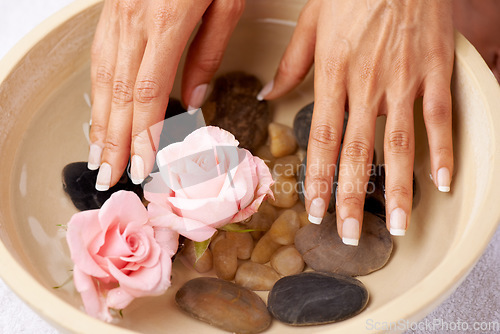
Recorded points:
477,299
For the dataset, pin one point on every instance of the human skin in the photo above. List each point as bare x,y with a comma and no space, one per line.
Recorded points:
377,56
135,55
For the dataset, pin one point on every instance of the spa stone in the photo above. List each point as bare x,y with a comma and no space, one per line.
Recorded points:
323,250
223,304
314,298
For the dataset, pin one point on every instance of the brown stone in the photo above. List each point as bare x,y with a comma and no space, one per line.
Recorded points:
256,276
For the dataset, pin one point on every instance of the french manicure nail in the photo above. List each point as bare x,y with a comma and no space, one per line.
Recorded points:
265,90
350,232
397,222
443,179
103,177
137,169
95,153
316,211
197,97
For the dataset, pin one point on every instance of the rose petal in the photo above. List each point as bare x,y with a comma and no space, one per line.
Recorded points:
122,206
163,216
92,299
138,282
214,212
83,228
157,190
118,298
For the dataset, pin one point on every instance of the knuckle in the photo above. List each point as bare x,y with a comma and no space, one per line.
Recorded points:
437,112
97,131
104,75
318,185
356,151
123,92
399,191
325,136
146,91
111,145
350,200
164,17
210,63
399,141
333,66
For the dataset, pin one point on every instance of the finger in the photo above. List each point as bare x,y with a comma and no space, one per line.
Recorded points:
169,33
103,91
116,151
399,152
355,166
207,49
95,52
326,127
438,123
298,57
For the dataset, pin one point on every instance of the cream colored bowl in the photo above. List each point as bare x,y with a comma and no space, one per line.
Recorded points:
43,81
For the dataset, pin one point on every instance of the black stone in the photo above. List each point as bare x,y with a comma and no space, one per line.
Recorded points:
174,108
302,125
233,106
79,183
313,298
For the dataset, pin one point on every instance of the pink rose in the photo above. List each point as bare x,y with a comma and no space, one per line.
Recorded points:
205,182
118,254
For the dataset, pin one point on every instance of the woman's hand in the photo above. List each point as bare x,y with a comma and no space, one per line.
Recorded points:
135,55
379,56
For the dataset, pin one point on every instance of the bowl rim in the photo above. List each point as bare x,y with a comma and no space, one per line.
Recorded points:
423,296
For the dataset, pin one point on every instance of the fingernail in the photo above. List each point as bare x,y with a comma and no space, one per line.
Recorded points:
397,222
317,211
137,169
197,97
350,232
443,179
95,153
265,90
103,177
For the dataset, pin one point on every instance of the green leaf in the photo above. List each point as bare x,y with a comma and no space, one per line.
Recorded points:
200,248
235,227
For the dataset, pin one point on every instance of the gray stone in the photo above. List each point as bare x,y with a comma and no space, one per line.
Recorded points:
323,250
314,298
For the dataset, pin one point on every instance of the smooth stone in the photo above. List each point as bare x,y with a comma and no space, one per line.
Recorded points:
286,166
224,304
262,220
281,140
285,192
314,298
323,250
302,125
244,244
264,153
225,259
264,249
79,183
285,227
256,276
287,261
233,106
188,257
375,194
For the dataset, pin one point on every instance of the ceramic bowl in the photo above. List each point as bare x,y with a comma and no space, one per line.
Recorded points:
44,84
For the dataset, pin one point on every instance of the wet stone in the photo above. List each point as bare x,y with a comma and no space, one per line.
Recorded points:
233,106
243,242
264,249
286,166
287,261
188,257
284,228
281,140
223,304
302,125
285,192
323,250
225,259
256,276
79,183
313,298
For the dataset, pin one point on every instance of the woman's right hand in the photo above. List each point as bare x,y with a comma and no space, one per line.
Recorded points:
136,51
